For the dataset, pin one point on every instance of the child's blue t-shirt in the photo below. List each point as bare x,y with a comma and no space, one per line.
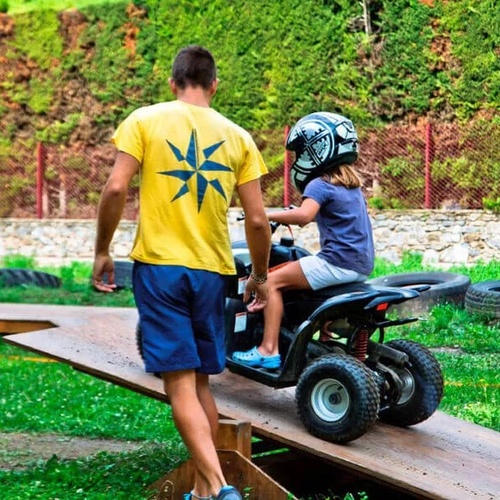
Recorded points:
344,226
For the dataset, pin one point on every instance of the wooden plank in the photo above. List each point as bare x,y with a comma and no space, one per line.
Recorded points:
443,458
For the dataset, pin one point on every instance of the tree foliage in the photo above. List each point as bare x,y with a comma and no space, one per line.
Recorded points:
277,60
70,77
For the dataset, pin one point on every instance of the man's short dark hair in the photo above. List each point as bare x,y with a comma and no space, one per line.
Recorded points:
194,66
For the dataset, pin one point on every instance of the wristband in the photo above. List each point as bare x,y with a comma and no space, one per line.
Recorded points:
259,279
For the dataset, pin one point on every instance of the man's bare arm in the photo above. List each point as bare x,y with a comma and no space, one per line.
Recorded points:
257,230
258,236
109,213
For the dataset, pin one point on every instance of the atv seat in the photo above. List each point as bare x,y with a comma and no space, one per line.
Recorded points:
331,291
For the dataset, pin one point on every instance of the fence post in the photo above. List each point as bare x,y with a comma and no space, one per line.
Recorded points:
40,166
429,158
286,173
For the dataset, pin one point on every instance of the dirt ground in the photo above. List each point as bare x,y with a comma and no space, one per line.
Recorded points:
19,450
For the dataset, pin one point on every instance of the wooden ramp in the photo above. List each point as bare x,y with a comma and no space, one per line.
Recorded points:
443,458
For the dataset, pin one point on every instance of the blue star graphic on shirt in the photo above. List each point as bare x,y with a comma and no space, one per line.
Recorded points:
207,165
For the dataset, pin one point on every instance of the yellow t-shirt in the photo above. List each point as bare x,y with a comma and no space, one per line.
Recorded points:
191,160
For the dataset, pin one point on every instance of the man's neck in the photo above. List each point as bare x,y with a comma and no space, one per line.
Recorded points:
196,96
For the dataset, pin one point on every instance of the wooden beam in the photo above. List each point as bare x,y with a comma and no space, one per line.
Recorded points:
252,482
20,326
235,435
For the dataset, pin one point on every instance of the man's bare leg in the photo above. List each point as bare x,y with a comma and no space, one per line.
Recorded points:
193,412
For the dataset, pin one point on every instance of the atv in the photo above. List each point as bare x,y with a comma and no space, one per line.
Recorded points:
333,349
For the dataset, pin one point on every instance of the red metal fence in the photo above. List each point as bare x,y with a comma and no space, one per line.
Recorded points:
428,165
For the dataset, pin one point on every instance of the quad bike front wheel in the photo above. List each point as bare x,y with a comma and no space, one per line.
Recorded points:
337,398
422,387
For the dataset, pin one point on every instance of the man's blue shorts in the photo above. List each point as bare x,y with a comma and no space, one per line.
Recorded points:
181,316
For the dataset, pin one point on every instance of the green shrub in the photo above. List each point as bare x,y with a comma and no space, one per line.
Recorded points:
19,262
277,61
37,37
58,132
492,204
473,29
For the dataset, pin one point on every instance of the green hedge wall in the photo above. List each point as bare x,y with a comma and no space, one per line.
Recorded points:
277,60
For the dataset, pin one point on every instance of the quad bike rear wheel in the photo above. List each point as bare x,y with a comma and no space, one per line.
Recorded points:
422,386
337,398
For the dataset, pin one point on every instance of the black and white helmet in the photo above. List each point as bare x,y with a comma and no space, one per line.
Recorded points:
320,140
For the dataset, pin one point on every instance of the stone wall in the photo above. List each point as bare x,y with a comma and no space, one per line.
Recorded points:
444,238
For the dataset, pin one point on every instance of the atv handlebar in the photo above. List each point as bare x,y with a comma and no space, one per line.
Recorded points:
274,225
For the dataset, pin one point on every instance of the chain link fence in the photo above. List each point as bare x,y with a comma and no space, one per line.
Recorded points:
433,166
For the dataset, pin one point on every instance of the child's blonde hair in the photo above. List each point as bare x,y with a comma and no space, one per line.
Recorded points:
343,175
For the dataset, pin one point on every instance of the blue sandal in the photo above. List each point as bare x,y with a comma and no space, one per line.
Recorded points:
255,359
225,493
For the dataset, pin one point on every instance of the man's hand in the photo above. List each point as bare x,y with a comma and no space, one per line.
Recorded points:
259,294
103,264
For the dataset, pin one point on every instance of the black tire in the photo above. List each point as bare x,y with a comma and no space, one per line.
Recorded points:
17,277
140,348
138,340
123,274
484,298
445,288
337,398
423,386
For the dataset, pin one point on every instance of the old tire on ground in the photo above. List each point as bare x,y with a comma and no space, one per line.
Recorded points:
484,298
17,277
138,340
123,274
140,347
445,288
337,398
422,386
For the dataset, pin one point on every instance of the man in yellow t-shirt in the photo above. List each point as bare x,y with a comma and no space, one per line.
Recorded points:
190,159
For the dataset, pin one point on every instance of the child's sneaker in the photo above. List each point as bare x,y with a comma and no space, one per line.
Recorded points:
229,493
